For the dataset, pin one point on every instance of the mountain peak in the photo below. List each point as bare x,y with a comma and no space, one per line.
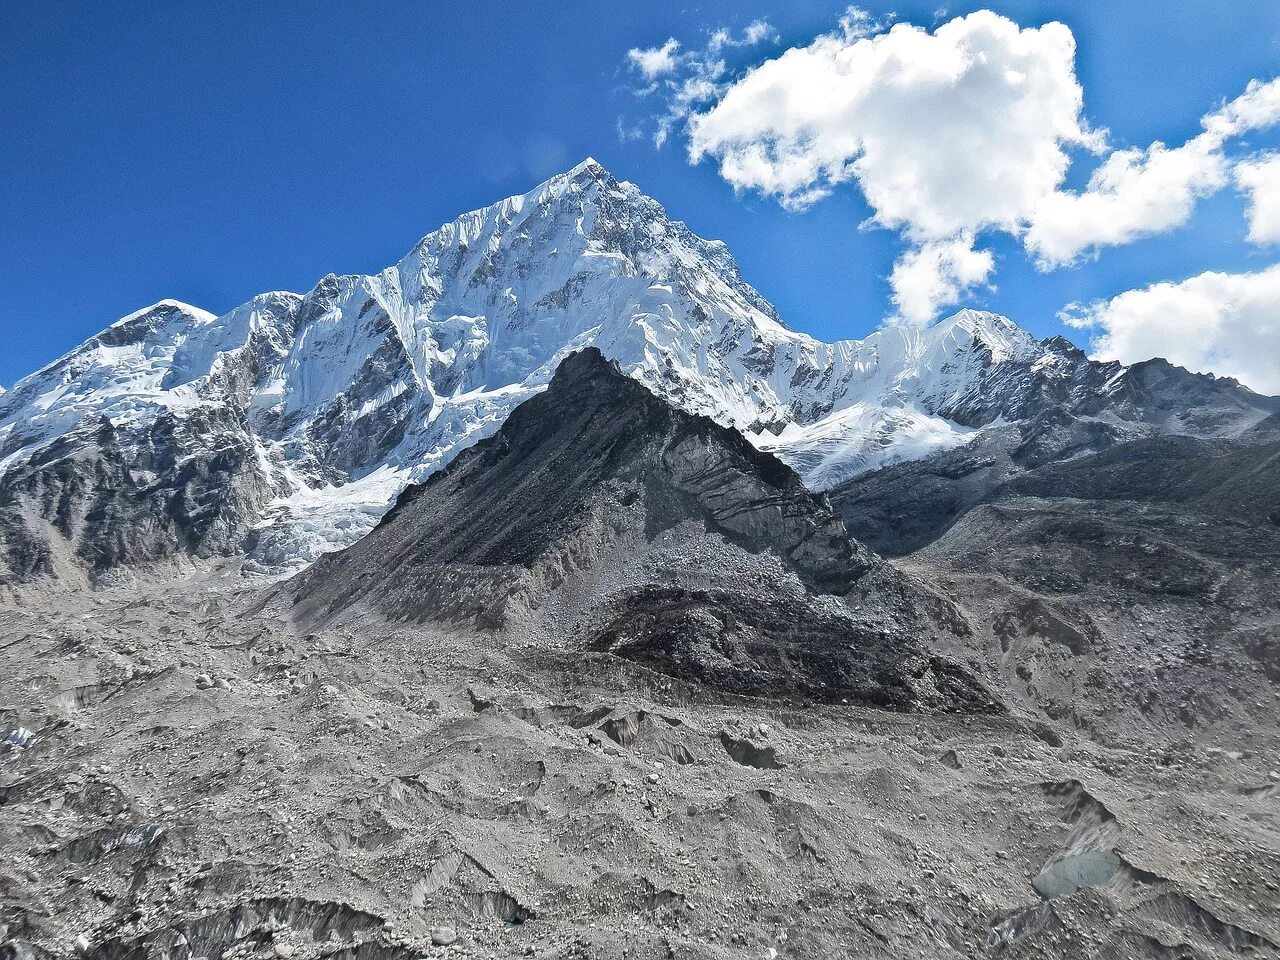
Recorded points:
980,321
590,166
1004,338
570,449
585,175
166,307
671,541
587,364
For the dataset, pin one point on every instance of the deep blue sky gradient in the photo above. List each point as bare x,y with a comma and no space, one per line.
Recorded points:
209,152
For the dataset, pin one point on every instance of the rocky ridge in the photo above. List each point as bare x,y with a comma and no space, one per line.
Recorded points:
603,518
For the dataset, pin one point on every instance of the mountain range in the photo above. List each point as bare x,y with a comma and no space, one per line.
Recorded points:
592,612
287,427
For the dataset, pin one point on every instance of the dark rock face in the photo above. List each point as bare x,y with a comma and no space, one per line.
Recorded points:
902,508
108,496
597,434
1237,479
781,647
670,539
1114,547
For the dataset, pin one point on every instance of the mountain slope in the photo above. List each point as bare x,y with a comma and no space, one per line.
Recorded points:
1061,407
314,411
1130,592
602,516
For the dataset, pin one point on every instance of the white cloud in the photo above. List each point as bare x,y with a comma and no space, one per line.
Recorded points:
656,61
701,83
947,133
952,133
960,129
1259,178
857,23
758,31
1221,322
965,129
628,132
1137,193
1134,193
936,274
1255,109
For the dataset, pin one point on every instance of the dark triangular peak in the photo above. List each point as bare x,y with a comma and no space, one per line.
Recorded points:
1060,345
596,435
594,457
603,520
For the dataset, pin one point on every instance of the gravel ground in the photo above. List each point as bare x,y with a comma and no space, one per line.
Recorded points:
189,776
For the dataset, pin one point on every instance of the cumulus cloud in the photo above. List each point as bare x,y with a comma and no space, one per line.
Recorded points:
1137,193
1259,178
655,62
951,133
937,272
947,133
958,129
1134,193
1221,322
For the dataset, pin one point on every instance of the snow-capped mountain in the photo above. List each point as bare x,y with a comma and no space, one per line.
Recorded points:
294,420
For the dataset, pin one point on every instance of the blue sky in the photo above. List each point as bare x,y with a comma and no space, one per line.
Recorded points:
209,152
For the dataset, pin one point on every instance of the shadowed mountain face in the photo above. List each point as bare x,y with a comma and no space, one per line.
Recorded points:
601,513
1127,592
105,497
1150,410
537,479
1124,583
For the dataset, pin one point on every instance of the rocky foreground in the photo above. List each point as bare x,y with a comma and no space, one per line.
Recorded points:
188,779
645,698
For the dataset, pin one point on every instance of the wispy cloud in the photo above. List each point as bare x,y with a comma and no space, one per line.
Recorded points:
685,79
656,61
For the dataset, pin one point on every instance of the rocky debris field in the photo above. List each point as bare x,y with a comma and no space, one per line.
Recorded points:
615,684
184,775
